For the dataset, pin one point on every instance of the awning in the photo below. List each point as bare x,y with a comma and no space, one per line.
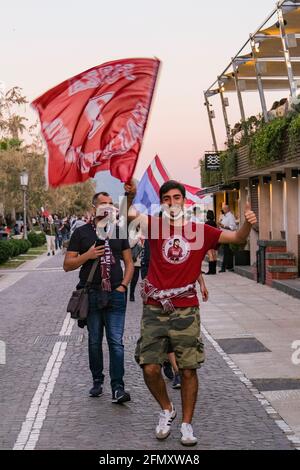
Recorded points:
219,188
251,84
267,69
270,57
292,17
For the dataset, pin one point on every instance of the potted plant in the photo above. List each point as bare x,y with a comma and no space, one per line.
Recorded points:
240,254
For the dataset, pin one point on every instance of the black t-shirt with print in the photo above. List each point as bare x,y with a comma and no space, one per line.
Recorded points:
81,241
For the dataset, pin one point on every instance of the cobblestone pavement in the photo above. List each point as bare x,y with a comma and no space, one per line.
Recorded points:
33,310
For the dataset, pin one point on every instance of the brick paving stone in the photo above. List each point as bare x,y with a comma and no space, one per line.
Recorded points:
227,415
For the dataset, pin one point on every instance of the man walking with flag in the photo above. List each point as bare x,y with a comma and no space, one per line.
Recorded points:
94,122
171,307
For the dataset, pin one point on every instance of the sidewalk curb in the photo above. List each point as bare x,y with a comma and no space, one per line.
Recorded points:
11,277
289,433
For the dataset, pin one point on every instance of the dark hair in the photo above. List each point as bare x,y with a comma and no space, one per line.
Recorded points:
166,187
176,240
210,215
95,197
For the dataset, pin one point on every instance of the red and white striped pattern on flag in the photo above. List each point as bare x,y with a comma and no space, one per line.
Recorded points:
154,177
157,174
147,196
191,195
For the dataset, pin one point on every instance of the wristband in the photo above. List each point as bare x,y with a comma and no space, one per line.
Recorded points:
125,287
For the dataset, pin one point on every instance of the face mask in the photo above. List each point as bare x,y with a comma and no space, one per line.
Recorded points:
173,212
105,220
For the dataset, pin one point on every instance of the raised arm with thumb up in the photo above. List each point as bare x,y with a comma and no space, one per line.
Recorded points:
249,214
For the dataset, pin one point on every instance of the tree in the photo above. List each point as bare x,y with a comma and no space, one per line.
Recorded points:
15,126
12,124
15,155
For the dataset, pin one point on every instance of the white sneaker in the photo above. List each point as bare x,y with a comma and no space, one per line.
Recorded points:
187,436
166,417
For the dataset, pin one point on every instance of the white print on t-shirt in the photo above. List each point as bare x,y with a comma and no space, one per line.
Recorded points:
176,249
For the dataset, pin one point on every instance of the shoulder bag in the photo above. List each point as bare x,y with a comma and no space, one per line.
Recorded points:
78,305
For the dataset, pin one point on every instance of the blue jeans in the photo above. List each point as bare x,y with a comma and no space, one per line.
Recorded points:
58,241
112,318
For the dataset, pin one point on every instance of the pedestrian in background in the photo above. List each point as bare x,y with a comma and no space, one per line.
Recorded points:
136,241
107,294
227,223
49,231
212,254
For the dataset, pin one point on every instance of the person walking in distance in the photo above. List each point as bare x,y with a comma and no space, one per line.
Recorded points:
171,307
136,242
49,231
227,223
107,295
212,254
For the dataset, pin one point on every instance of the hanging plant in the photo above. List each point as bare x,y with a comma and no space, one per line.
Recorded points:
209,178
294,133
228,161
267,141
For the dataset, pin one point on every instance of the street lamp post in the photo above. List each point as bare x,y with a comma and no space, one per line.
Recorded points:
24,185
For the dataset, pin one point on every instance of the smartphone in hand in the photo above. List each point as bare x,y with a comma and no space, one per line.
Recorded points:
100,242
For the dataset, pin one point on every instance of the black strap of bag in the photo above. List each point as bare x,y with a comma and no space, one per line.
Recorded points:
92,272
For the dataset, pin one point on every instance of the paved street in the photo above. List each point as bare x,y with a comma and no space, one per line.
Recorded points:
44,402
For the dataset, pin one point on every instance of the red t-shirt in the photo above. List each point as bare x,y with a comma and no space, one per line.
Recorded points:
176,255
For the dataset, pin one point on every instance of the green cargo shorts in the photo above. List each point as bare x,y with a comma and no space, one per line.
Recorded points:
180,330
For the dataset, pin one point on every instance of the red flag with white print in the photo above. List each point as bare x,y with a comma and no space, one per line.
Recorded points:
96,120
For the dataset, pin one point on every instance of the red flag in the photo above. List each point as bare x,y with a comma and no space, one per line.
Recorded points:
95,121
192,196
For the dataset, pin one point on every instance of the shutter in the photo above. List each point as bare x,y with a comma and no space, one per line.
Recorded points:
254,200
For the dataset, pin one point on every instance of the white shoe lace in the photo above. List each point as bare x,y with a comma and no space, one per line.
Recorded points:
187,432
165,418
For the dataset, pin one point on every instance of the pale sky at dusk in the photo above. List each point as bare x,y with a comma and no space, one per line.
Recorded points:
43,43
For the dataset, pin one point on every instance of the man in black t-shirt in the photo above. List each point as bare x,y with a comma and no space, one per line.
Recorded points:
110,280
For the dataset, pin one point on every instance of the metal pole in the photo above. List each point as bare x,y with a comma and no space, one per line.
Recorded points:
227,126
25,215
280,4
286,52
259,81
211,124
238,90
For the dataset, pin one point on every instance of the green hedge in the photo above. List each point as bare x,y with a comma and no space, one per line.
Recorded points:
228,164
4,251
265,141
11,248
266,144
36,239
14,247
209,178
294,133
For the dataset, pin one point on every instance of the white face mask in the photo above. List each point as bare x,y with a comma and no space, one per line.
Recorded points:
172,212
105,220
